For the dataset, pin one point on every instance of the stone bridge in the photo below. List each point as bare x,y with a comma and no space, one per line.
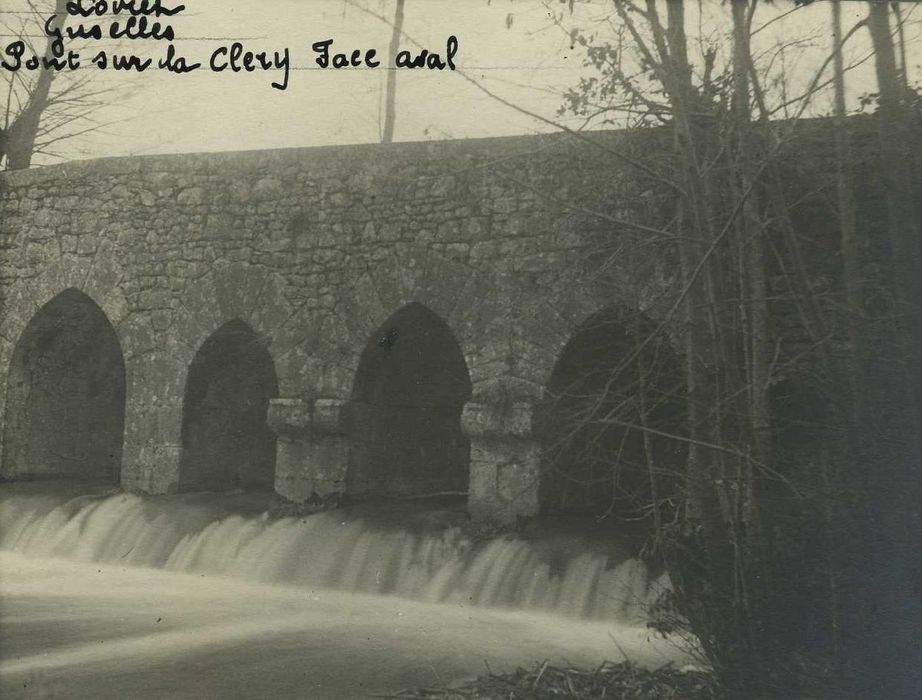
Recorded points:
375,319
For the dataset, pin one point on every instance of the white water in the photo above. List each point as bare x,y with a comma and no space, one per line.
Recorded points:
321,606
327,551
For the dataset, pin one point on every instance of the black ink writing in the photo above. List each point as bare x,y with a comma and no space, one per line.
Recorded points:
326,57
133,7
130,62
429,59
138,28
176,64
340,60
17,50
136,20
236,59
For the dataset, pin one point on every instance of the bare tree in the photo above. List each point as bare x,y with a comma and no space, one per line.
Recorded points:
741,261
45,106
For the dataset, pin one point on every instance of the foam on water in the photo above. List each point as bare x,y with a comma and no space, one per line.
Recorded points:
89,631
328,550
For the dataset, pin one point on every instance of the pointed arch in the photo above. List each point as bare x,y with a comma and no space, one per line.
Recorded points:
65,394
405,429
609,390
226,443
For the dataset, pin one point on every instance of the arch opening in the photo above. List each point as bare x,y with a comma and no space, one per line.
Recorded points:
65,395
611,402
226,442
405,419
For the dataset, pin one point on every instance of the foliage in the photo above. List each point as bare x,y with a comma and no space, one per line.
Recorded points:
786,406
624,681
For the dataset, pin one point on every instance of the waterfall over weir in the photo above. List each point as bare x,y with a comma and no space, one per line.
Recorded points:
336,550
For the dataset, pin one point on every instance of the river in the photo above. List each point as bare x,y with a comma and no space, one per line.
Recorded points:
111,595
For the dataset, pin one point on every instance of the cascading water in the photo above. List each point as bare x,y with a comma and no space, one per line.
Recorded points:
327,550
112,595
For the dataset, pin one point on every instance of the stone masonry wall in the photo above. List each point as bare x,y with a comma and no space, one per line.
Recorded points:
513,242
314,249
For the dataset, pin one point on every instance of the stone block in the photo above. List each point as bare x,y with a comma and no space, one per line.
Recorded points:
505,460
312,449
497,421
504,480
289,417
304,468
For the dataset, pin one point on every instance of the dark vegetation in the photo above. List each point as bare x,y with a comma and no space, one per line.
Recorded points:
622,681
764,421
790,529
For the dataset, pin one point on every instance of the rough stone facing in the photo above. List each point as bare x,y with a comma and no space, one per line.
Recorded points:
314,249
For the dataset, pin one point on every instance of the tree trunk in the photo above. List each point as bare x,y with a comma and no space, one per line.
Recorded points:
705,567
18,142
753,237
845,192
896,137
390,103
895,386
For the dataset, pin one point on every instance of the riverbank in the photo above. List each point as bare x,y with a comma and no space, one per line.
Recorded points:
624,681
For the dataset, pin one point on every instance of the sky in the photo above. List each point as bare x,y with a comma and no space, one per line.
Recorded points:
520,50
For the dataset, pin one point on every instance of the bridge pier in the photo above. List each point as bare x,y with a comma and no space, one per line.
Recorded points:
312,448
505,461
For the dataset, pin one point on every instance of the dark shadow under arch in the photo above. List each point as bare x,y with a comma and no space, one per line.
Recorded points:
226,442
592,460
65,394
405,418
